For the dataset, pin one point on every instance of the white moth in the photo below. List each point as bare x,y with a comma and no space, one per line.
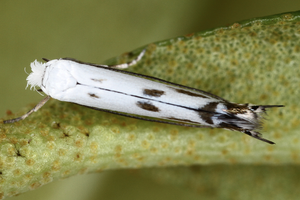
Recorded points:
110,89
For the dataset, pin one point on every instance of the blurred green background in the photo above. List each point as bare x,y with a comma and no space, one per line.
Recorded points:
94,31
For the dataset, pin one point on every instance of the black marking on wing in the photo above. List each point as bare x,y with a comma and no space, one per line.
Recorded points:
148,100
153,92
186,92
147,105
93,95
211,111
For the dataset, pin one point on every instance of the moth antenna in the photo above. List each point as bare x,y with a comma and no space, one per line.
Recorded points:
45,59
260,108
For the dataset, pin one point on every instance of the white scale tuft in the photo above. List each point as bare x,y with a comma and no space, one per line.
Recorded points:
35,77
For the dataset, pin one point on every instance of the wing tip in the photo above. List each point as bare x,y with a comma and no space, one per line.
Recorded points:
257,135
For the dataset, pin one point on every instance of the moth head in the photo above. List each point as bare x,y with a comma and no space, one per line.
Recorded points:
36,76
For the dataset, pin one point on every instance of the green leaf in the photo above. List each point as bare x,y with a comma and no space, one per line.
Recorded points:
254,61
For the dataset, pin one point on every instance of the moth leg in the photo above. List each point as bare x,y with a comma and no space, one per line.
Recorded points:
133,62
38,106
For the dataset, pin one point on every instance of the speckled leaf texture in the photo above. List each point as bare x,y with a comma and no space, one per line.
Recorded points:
254,61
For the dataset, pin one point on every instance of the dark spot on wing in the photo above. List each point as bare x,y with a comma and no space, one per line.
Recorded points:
209,109
93,95
97,80
153,92
147,106
189,93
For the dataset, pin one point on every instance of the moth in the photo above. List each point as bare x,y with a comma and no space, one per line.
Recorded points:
111,89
